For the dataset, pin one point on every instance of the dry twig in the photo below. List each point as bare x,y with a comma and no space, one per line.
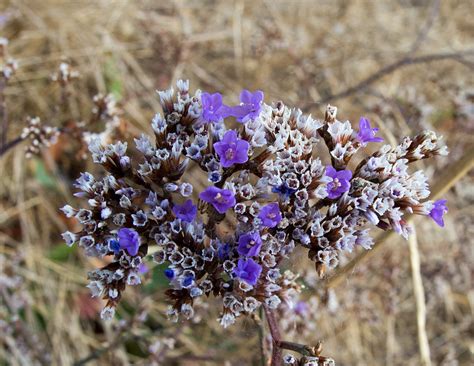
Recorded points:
419,293
386,70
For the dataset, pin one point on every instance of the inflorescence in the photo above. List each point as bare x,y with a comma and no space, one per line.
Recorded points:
267,193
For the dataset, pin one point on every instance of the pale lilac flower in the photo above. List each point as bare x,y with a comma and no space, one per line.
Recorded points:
438,210
221,199
250,106
366,133
69,238
248,270
249,244
340,182
212,108
270,215
231,149
129,240
186,212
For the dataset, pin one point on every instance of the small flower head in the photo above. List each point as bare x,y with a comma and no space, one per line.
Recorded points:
169,273
366,133
186,212
438,210
129,240
187,280
250,106
249,244
212,107
248,270
221,199
69,238
114,245
284,191
223,251
232,150
270,215
340,181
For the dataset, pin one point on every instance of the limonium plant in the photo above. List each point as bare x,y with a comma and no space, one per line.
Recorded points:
277,179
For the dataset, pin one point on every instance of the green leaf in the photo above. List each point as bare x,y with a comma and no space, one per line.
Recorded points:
112,78
60,253
42,175
158,280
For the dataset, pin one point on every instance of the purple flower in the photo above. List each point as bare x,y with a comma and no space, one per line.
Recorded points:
231,149
248,270
250,106
249,244
169,273
438,210
186,212
270,215
212,108
366,133
221,199
284,190
340,181
129,240
223,251
187,280
114,245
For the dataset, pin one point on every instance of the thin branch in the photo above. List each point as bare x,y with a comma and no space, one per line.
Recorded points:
276,337
419,293
3,114
451,176
423,33
301,348
10,145
261,336
386,70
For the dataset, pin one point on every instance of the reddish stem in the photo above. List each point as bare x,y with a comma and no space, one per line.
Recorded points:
276,337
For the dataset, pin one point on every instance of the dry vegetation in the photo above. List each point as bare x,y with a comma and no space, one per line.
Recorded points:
304,52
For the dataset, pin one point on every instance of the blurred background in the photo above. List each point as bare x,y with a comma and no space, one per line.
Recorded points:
407,65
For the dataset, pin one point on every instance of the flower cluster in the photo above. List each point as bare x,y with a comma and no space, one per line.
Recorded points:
8,65
40,136
267,192
65,74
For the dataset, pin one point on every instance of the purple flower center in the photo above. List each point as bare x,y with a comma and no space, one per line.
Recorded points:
129,240
270,215
340,182
231,149
212,108
220,199
186,212
229,154
248,270
249,244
